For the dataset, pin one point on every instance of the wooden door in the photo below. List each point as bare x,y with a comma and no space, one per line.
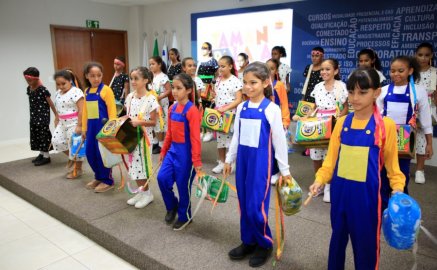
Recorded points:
75,46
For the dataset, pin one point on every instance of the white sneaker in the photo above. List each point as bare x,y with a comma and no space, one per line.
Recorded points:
135,199
219,168
201,135
274,179
327,193
146,198
208,136
420,177
233,167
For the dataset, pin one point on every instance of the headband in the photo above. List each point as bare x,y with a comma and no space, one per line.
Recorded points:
31,77
119,62
316,52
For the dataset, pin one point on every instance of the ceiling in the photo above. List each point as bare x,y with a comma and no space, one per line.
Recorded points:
132,2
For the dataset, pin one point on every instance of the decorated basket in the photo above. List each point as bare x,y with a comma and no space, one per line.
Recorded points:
213,185
314,132
118,136
213,119
304,108
406,141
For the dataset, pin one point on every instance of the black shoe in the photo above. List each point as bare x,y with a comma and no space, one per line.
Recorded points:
38,158
177,226
156,150
241,251
42,161
260,256
170,216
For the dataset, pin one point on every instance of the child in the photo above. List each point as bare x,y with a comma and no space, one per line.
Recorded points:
189,67
397,102
279,92
40,105
353,166
242,61
284,70
99,106
206,71
175,66
161,85
369,58
312,73
228,96
120,82
69,106
428,80
331,99
257,146
181,152
141,107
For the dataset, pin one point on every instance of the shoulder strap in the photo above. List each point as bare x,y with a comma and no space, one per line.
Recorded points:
307,80
128,101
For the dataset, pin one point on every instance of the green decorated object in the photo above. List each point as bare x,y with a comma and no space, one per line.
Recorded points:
213,186
290,195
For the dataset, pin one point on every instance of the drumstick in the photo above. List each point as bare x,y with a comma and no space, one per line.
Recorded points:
307,201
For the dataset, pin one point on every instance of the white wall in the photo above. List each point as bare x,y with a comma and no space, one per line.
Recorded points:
25,41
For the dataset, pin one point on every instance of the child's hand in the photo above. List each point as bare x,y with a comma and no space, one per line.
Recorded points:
135,122
83,135
295,118
428,151
396,191
286,179
222,109
226,170
78,130
199,171
161,158
315,188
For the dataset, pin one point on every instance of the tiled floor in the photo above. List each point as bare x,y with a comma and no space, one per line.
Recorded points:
31,239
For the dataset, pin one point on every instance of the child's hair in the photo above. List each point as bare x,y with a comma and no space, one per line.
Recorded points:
231,62
281,50
145,74
319,49
159,61
184,61
373,56
121,58
74,79
412,63
31,71
429,46
188,83
245,56
276,63
262,72
364,78
176,52
336,65
63,73
209,47
87,69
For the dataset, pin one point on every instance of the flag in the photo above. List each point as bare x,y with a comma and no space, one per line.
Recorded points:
174,43
165,50
155,48
145,51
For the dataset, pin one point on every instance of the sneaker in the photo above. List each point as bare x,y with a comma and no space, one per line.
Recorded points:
38,158
145,200
219,168
208,136
179,225
241,251
170,216
156,150
327,193
260,256
420,177
93,184
201,135
42,161
102,187
135,199
274,179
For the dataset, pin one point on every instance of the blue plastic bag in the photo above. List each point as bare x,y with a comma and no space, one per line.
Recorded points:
401,221
76,139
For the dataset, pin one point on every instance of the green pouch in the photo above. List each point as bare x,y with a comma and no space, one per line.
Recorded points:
213,185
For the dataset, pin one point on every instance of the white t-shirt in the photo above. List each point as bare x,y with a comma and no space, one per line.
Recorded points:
283,72
147,103
66,103
226,90
398,112
326,100
274,117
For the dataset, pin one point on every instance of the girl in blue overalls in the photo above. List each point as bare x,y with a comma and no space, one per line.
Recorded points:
99,106
259,148
398,101
181,151
361,143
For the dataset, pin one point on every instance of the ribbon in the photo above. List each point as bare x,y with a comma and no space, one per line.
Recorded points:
279,222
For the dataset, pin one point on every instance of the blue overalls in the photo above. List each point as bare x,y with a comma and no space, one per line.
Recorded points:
96,111
355,198
178,166
275,94
255,165
404,163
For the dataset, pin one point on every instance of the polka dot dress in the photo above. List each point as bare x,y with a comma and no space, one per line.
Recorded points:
283,71
40,135
159,82
118,85
66,103
209,67
315,78
174,70
136,159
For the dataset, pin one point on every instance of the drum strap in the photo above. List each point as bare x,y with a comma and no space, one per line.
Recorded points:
307,80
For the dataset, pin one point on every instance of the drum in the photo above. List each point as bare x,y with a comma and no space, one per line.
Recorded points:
290,195
406,141
314,132
75,143
304,108
118,136
212,186
213,119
